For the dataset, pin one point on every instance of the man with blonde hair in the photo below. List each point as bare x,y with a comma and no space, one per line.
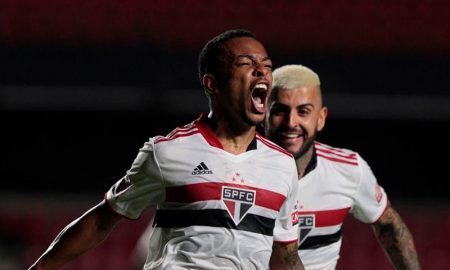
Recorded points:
334,181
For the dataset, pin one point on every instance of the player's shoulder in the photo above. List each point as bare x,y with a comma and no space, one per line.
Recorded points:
180,132
272,147
336,155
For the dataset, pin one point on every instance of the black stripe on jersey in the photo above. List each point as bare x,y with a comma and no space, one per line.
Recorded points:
253,145
313,242
213,218
312,163
203,166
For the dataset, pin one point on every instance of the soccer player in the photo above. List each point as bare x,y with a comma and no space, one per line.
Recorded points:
225,196
333,181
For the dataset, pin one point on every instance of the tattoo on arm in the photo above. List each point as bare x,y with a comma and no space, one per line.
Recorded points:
285,256
397,241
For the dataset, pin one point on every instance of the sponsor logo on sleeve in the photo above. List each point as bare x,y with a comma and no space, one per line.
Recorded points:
378,193
294,215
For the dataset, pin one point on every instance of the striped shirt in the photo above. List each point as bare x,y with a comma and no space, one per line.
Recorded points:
215,210
337,182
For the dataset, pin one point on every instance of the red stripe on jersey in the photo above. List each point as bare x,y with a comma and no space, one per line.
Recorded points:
319,144
207,133
327,218
272,145
164,139
181,129
213,191
337,159
328,151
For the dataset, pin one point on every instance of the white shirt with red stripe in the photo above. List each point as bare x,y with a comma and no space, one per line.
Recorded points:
340,183
215,210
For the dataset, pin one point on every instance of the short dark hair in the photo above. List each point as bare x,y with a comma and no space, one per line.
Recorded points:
208,58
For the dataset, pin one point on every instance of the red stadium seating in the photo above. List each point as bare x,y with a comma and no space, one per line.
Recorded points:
30,226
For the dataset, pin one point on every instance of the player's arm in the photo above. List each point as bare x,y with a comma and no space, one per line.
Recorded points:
396,239
285,256
78,237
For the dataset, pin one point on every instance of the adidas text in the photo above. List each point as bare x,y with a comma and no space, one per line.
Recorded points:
201,172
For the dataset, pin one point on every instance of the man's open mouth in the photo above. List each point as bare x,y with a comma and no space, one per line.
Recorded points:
259,94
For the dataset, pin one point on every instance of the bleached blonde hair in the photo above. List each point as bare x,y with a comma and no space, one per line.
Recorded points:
293,76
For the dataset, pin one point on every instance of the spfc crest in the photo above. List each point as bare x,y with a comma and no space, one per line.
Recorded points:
238,201
305,223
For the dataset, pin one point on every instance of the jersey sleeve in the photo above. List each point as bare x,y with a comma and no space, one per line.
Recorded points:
141,187
370,199
286,225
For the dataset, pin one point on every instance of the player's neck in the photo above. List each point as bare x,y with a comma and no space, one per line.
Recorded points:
303,162
234,140
235,143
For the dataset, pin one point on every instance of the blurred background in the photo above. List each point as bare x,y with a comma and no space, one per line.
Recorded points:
83,84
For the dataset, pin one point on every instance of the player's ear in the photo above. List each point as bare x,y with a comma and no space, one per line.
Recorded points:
210,83
322,118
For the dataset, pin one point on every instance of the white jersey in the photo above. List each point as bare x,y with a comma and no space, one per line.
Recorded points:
215,210
337,182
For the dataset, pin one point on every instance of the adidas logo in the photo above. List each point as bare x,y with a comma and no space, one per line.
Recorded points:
201,169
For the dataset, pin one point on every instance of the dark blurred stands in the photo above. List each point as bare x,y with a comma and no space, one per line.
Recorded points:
83,84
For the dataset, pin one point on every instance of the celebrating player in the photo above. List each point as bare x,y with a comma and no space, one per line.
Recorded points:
225,196
333,182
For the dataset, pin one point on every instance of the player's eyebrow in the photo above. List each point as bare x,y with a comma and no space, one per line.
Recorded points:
305,105
283,106
253,57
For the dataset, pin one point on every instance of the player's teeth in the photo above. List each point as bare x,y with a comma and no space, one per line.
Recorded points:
291,135
261,85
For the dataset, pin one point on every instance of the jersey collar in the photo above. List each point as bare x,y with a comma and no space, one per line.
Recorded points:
312,163
204,127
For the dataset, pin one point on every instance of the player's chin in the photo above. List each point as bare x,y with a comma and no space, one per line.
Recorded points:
255,118
292,148
295,151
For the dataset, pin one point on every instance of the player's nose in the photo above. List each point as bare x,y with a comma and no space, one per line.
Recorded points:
261,70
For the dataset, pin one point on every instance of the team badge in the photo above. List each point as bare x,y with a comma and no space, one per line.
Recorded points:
238,201
305,223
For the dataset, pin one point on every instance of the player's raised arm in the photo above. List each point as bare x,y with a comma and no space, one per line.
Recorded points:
79,236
